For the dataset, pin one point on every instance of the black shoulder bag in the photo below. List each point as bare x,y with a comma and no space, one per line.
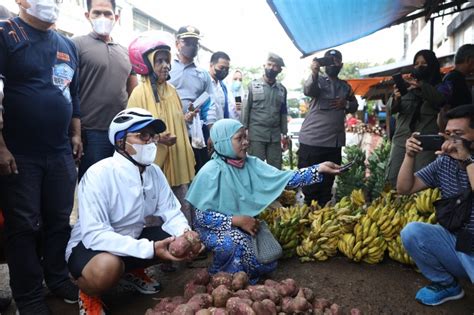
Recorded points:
453,214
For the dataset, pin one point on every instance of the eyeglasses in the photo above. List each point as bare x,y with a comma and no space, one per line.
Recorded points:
145,136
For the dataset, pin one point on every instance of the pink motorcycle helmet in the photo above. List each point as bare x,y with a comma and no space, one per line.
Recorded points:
141,46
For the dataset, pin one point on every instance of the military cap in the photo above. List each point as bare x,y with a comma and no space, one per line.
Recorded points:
188,32
276,59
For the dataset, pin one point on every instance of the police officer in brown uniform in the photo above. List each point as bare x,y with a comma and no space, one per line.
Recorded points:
265,114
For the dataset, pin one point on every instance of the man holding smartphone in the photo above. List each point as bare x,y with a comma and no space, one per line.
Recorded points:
323,133
442,256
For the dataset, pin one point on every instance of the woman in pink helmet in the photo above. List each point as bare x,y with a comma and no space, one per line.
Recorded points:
150,56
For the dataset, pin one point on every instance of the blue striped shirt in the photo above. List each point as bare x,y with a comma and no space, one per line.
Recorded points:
446,174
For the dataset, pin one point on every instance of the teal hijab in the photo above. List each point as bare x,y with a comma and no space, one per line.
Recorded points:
230,190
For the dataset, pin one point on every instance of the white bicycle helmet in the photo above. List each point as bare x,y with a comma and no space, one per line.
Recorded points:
130,120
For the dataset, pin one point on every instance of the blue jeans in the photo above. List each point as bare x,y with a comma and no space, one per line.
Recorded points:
96,147
432,247
37,204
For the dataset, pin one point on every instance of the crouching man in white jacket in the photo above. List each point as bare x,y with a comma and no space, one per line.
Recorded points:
115,195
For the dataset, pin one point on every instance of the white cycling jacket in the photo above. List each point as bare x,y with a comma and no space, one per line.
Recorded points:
113,203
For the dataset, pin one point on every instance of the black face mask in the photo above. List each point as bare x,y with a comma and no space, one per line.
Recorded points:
421,73
221,74
333,71
189,51
270,73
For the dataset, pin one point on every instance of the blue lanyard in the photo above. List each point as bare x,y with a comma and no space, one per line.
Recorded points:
226,102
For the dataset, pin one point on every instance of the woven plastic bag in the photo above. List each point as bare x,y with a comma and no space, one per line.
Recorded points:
266,247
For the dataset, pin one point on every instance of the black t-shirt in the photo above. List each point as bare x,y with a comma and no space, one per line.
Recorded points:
41,88
456,89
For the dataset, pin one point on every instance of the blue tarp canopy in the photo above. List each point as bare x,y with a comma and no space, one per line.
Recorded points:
314,25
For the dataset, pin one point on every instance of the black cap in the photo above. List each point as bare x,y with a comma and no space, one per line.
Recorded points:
188,32
333,53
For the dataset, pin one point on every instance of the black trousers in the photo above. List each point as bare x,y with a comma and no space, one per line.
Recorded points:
310,155
80,255
37,204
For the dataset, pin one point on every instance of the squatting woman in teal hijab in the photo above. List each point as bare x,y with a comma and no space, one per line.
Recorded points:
231,189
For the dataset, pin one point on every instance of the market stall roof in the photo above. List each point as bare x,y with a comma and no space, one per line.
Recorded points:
314,25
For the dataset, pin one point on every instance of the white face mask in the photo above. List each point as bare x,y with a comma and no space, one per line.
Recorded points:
146,153
102,25
44,10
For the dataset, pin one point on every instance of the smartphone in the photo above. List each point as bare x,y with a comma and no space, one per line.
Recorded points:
430,142
238,99
400,83
325,61
346,167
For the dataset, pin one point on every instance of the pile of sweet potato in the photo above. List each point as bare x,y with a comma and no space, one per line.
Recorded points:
227,294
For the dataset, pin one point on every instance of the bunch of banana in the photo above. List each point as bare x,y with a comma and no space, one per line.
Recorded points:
288,227
397,252
424,201
365,243
357,198
321,238
287,198
412,215
347,219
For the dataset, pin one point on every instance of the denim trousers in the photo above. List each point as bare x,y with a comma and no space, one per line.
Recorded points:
37,204
96,147
432,247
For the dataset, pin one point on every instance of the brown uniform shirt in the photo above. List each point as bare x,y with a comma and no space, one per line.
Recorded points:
103,74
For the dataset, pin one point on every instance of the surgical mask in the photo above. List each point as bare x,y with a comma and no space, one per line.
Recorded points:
333,71
44,10
270,73
102,25
421,73
221,74
146,153
189,51
236,85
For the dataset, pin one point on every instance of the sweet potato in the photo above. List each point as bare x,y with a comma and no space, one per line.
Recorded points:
168,305
237,306
204,312
271,283
183,245
306,293
265,307
183,309
201,277
273,295
244,294
218,311
221,278
220,295
295,305
321,304
291,286
356,311
204,300
335,309
240,280
191,289
258,292
180,247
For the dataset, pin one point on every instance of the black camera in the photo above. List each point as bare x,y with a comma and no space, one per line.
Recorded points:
325,61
